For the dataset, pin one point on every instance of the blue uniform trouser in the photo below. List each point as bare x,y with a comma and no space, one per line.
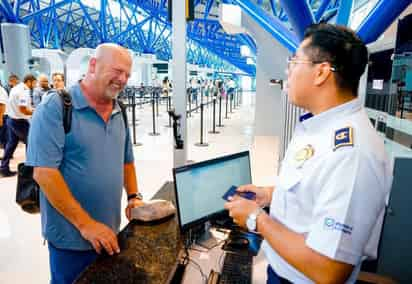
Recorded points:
66,265
17,129
3,132
273,278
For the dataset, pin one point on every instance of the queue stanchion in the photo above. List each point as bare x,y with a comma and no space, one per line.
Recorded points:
201,143
157,105
190,104
231,102
196,102
214,119
135,143
168,108
220,112
227,102
154,133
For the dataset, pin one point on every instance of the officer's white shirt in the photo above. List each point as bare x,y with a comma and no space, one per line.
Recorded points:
336,198
3,96
19,96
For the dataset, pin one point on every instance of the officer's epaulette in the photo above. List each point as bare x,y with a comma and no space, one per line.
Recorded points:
343,137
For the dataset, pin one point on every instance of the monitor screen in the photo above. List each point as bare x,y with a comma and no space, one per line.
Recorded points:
199,187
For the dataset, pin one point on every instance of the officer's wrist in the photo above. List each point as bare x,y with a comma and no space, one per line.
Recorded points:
260,221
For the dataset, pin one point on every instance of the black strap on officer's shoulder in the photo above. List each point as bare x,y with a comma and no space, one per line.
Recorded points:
67,109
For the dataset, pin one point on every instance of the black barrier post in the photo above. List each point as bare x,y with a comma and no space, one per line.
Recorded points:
154,133
134,121
220,113
141,101
201,143
214,118
168,107
190,104
227,97
157,105
235,99
231,102
196,99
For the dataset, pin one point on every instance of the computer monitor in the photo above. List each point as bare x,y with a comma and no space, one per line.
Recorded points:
199,187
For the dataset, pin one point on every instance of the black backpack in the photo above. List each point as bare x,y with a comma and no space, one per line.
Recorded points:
28,191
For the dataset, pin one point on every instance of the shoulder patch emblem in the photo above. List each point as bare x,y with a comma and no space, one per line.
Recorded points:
343,137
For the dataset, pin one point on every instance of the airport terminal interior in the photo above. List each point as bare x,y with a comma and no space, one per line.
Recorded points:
207,110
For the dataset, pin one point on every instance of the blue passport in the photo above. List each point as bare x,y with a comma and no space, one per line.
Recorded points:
232,191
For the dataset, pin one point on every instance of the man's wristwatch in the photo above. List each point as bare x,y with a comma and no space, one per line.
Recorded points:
137,195
251,219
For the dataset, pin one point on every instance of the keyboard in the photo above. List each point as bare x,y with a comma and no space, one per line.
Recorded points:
237,269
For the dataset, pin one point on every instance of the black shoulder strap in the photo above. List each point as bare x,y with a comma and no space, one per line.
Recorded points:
124,114
67,109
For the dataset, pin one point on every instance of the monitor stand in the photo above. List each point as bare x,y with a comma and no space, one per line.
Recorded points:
205,238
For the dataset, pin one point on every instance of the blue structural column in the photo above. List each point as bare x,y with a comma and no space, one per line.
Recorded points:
322,8
379,19
345,9
271,24
299,14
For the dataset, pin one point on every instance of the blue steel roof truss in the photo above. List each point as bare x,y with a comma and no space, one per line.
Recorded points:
142,25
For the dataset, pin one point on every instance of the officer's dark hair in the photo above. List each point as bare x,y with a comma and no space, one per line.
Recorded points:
13,76
342,48
58,74
29,77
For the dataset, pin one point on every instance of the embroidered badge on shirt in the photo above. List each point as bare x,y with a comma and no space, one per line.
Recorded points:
343,137
303,155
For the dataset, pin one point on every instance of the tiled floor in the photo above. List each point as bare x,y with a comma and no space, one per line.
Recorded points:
24,259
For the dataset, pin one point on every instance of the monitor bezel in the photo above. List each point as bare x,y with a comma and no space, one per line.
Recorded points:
188,226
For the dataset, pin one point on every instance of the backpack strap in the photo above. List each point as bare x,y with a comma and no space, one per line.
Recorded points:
124,114
67,109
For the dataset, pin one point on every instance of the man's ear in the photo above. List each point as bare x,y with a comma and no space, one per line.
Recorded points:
323,71
92,65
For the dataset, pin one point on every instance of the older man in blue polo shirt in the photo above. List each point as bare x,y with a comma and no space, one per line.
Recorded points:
82,173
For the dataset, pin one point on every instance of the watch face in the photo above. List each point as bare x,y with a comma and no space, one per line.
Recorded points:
251,224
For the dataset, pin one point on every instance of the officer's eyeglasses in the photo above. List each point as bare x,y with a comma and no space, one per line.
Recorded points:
293,60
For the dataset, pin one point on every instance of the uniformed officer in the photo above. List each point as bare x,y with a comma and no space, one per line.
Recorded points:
327,205
19,111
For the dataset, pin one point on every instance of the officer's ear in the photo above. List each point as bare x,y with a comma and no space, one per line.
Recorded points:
323,73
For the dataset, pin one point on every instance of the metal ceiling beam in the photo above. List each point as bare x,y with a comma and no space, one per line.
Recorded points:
380,18
271,24
322,8
299,14
344,12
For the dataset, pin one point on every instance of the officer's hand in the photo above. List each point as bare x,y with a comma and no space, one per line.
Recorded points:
240,208
263,194
132,204
101,237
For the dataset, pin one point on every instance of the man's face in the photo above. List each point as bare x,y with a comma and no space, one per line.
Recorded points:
301,75
58,82
31,84
44,83
112,73
13,82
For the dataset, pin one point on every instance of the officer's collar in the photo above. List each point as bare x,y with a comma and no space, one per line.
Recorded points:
80,102
311,122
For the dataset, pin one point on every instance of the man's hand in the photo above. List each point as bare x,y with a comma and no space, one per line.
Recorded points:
240,208
263,194
101,237
135,202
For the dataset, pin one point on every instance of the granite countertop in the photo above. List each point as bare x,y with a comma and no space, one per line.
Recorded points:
149,252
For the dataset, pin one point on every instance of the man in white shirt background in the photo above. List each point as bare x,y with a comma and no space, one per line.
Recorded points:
3,107
19,112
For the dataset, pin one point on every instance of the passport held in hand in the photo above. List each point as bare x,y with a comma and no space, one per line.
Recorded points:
232,191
